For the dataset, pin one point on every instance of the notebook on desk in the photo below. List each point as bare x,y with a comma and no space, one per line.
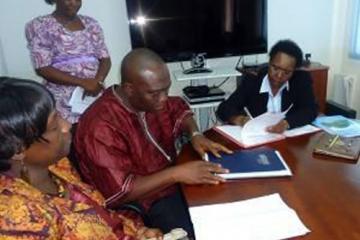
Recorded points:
255,163
333,145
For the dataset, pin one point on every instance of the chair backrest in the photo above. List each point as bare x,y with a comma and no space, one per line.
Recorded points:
334,108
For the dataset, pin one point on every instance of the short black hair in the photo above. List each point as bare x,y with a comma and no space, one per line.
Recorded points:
51,2
290,48
25,107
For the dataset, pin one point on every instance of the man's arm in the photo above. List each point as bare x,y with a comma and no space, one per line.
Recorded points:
107,163
195,172
200,143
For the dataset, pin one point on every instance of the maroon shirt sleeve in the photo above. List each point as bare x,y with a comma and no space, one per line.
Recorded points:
179,111
111,170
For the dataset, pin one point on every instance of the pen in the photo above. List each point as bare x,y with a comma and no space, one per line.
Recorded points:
333,141
248,112
287,110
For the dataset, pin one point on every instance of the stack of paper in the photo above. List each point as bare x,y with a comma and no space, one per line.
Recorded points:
341,147
263,218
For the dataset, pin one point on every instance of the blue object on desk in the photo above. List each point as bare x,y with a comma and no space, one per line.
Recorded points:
338,125
254,163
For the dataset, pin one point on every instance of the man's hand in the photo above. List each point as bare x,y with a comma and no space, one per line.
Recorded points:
202,144
280,127
199,172
239,120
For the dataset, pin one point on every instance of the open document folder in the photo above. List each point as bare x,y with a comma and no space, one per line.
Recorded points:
254,133
79,104
263,218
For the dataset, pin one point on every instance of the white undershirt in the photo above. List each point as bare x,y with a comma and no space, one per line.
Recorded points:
274,102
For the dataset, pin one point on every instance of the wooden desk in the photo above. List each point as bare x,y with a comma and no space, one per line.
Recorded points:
325,192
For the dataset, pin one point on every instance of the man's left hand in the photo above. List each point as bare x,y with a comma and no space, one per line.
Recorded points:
202,144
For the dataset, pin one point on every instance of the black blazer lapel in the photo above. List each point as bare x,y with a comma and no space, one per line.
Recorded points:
285,100
261,104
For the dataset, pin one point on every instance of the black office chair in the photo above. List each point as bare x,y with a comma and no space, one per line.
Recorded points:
334,108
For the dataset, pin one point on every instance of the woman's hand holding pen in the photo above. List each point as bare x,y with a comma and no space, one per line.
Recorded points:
280,127
239,120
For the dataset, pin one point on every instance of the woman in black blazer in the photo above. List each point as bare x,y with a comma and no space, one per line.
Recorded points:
275,88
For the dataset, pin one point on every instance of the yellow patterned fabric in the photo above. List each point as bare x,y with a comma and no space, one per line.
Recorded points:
26,213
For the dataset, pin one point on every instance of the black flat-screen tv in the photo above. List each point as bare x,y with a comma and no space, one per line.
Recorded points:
177,29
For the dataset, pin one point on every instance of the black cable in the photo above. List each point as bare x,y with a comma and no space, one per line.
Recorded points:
217,86
182,66
226,79
237,64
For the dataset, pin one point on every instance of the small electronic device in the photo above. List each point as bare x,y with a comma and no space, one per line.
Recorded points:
196,91
203,94
198,63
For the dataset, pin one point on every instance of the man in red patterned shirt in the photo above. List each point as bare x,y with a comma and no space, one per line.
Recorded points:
125,143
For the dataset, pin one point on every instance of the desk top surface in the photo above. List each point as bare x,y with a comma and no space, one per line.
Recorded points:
324,191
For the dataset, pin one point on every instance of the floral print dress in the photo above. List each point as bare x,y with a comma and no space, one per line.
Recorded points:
74,52
26,213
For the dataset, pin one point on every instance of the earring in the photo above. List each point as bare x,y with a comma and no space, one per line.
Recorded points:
24,173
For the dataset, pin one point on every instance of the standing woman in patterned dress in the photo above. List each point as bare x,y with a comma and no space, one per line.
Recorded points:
68,50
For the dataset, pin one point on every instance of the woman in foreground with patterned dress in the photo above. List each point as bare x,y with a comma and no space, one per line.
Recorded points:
41,196
68,51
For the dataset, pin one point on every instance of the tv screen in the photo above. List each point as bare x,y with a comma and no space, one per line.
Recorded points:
177,29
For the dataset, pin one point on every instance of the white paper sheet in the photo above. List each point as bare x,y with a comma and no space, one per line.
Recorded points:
301,131
254,132
263,218
77,103
257,126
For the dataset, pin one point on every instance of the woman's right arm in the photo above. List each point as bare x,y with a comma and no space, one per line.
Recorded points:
54,75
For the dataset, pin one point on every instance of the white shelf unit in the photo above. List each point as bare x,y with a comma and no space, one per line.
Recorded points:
205,112
218,72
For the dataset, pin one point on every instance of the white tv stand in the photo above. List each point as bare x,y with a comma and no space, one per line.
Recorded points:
205,112
217,72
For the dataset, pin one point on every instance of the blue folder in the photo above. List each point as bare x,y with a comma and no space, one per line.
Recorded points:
258,162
